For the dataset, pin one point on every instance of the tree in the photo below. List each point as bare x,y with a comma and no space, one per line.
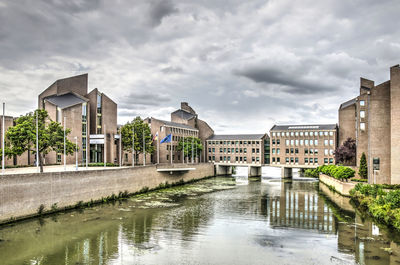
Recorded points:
186,145
141,129
346,153
22,136
363,170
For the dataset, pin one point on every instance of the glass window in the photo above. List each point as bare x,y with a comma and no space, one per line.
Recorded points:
325,160
274,134
301,133
311,160
326,152
330,142
278,150
287,133
287,142
291,133
296,160
362,126
287,159
291,142
301,142
297,142
321,133
278,134
311,142
273,150
330,160
316,142
305,160
362,103
297,133
278,141
362,114
305,142
325,142
305,133
325,133
330,133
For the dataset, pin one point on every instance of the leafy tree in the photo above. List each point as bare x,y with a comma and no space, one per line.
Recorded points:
363,170
22,136
186,145
141,129
346,153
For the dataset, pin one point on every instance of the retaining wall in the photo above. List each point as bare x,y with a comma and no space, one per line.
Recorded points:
341,187
22,194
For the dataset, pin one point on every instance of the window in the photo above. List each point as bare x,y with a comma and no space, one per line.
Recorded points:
291,150
273,150
311,142
305,160
326,142
291,133
331,152
301,133
278,151
297,133
306,151
362,103
362,126
325,160
326,152
362,114
287,133
305,133
287,159
315,160
58,158
287,150
325,133
241,150
287,142
316,151
311,160
278,134
330,160
278,159
321,133
291,142
301,142
297,142
278,141
291,160
273,141
330,133
296,150
316,142
296,160
330,142
305,142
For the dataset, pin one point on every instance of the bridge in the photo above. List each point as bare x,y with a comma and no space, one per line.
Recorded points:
255,169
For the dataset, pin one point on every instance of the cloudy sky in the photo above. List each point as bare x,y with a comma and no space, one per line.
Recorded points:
242,65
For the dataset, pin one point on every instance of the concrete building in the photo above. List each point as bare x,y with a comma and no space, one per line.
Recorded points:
373,120
303,145
91,117
239,148
8,122
184,123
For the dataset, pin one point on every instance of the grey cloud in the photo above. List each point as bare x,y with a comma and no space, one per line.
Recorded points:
160,9
172,70
134,100
291,82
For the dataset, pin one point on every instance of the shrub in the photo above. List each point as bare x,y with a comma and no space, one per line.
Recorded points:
311,173
338,172
363,171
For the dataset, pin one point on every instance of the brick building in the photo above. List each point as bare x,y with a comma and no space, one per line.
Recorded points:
303,144
239,148
91,117
8,122
372,119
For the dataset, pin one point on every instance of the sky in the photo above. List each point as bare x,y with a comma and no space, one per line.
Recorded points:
242,65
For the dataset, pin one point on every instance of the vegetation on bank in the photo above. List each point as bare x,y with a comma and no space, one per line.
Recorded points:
335,171
381,203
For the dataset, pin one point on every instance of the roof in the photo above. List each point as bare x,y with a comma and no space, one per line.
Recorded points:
66,100
304,127
348,103
237,137
183,114
178,125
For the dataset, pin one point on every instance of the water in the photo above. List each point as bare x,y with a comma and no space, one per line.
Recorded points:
214,221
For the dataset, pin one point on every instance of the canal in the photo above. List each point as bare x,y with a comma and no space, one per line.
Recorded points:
214,221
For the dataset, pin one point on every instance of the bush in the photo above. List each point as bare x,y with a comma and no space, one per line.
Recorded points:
102,165
311,173
338,172
363,171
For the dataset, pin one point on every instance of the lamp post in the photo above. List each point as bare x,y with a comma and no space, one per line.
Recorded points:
65,159
76,153
2,140
133,145
37,141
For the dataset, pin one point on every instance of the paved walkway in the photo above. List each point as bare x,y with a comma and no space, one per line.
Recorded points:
56,168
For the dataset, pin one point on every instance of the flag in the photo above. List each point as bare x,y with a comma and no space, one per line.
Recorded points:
167,139
155,138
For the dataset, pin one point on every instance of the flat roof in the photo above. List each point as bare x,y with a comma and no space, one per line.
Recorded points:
231,137
175,124
304,127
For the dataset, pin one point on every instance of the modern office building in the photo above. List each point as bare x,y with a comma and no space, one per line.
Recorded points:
184,123
91,117
237,148
308,145
373,120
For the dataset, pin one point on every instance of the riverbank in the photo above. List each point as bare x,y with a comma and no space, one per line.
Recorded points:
28,195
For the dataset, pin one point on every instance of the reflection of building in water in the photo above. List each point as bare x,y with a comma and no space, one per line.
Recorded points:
300,208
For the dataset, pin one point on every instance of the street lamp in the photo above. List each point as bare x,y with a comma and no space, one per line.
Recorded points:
76,152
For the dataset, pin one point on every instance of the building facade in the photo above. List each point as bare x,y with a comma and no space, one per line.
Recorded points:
239,148
91,117
303,145
373,120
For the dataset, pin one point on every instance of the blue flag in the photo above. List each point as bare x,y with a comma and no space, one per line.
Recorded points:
167,139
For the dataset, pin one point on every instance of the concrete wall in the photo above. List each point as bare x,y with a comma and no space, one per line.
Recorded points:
395,123
22,195
342,187
347,123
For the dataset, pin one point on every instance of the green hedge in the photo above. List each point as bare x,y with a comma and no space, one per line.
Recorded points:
102,165
311,173
383,205
337,172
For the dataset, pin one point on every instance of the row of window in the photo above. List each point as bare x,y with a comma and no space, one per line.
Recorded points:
232,142
302,142
306,151
307,160
174,130
237,158
324,133
233,150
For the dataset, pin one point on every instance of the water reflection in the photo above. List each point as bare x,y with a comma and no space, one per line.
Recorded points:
217,221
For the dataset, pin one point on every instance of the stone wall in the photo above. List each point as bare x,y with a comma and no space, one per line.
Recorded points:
21,195
341,187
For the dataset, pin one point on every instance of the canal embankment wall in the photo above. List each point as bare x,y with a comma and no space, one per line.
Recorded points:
341,187
21,195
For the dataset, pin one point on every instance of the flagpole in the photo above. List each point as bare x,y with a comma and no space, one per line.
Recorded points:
192,150
65,159
37,140
120,148
2,140
133,145
104,146
144,150
87,139
158,150
183,150
171,147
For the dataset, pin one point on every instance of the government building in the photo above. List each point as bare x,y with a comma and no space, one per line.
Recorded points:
303,145
373,119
